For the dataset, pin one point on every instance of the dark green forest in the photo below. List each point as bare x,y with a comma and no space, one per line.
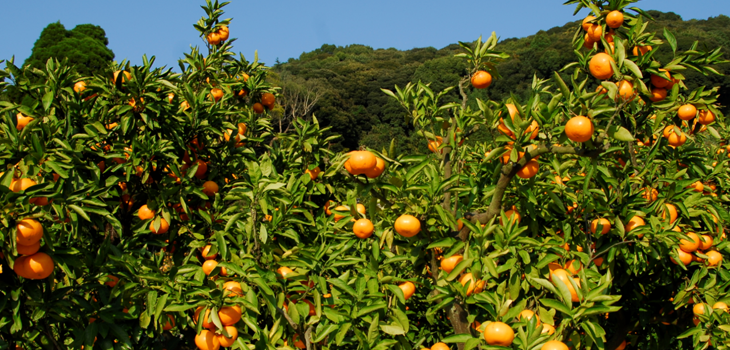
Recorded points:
349,79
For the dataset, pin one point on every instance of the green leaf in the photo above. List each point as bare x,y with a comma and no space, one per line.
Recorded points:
457,338
393,329
552,303
79,211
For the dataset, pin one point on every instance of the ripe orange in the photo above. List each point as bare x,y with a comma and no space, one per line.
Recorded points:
626,90
440,346
690,245
565,277
720,306
713,258
29,249
706,117
697,186
615,19
360,208
605,225
213,38
126,77
169,324
554,345
38,266
706,242
184,105
579,129
229,315
641,50
258,108
283,271
223,33
377,170
600,66
672,210
113,282
433,145
22,185
268,99
363,228
210,188
79,87
360,162
164,226
499,334
511,214
586,22
481,79
314,173
570,266
407,225
207,340
145,213
675,140
528,315
650,194
233,287
595,32
448,264
546,328
658,94
208,266
699,309
216,94
474,286
635,222
660,82
206,251
684,257
28,232
408,289
687,112
228,342
529,170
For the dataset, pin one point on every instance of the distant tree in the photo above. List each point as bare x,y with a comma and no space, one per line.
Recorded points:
85,46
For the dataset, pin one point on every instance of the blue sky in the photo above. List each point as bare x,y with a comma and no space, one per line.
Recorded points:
286,28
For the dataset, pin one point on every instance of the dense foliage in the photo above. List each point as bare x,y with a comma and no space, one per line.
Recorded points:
354,107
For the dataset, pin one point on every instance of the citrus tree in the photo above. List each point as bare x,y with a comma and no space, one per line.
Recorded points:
149,209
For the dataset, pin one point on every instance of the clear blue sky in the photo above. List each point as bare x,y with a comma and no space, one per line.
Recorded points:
286,28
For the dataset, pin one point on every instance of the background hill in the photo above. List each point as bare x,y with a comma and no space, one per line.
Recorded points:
346,81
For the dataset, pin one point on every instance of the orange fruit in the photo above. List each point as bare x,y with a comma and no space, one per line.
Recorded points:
213,38
675,140
229,315
145,213
79,87
706,242
720,306
474,286
283,271
314,173
554,345
650,194
258,108
595,32
164,226
605,225
407,225
586,22
169,324
184,105
360,162
579,129
440,346
448,264
223,33
684,257
408,289
641,50
216,94
600,66
660,82
268,99
125,77
228,342
713,258
433,145
565,277
615,19
28,232
546,328
499,334
233,287
570,266
360,208
672,210
298,343
210,188
22,185
207,340
528,315
377,170
512,214
626,90
529,170
113,282
19,267
339,217
699,309
38,266
29,249
209,265
687,112
481,79
635,222
697,186
363,228
206,251
658,94
202,169
706,117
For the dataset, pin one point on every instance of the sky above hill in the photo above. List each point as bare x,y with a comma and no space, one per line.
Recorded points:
287,28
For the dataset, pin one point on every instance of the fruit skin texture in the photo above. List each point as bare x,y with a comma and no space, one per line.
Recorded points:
687,112
706,117
554,345
691,245
474,286
714,258
144,213
684,257
28,232
660,82
227,342
529,170
29,249
363,228
377,170
440,346
720,306
360,162
408,289
407,226
448,264
229,315
600,66
579,129
698,309
706,242
39,266
233,287
283,271
605,226
207,340
164,226
672,212
499,334
481,80
635,222
615,19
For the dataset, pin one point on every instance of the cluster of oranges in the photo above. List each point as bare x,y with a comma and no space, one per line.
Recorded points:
268,100
29,232
218,36
365,163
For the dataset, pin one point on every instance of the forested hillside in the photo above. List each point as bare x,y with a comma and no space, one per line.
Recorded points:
347,80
